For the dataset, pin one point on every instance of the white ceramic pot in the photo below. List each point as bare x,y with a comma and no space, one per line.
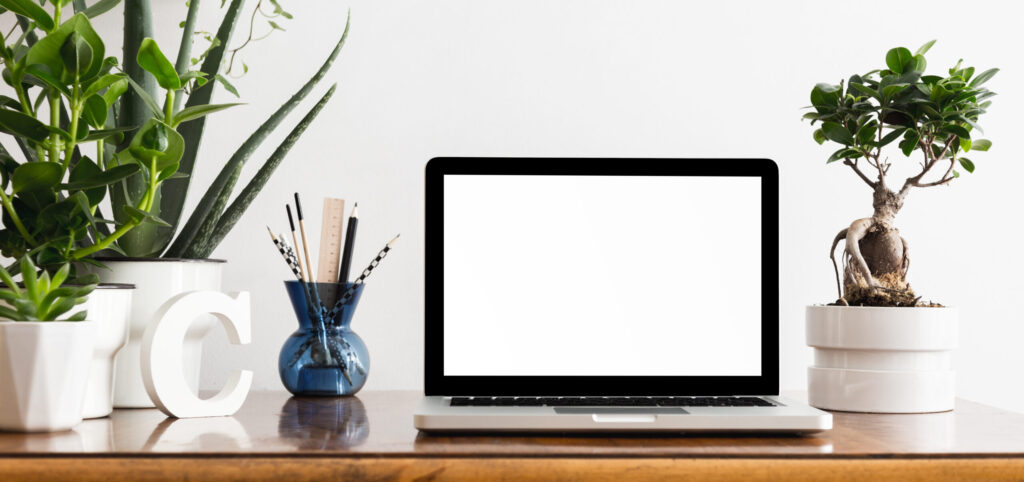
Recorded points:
156,281
109,306
43,371
882,360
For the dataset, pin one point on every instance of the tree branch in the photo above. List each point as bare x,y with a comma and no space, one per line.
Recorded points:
853,165
915,181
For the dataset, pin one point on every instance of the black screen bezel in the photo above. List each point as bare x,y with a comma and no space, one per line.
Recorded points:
437,383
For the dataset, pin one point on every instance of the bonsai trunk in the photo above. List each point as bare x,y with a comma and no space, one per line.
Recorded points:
876,258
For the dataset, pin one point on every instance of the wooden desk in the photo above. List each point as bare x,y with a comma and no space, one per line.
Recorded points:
275,437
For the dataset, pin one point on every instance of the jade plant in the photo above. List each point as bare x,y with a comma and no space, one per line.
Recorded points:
931,117
213,216
64,89
40,297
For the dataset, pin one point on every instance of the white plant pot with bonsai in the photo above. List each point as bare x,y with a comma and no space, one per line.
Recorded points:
879,347
44,361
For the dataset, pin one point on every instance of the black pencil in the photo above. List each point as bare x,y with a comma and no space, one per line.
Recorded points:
350,241
305,244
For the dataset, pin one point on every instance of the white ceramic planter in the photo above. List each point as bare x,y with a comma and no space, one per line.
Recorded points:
882,360
109,306
157,281
43,370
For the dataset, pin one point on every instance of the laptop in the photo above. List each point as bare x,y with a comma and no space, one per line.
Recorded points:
604,295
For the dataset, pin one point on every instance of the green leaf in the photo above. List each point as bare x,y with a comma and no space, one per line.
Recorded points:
146,98
94,111
241,203
153,61
79,316
227,85
178,188
897,59
102,83
197,111
892,136
77,54
843,153
967,164
23,125
909,143
918,63
49,50
983,77
115,91
837,133
866,90
30,10
106,134
157,140
100,7
825,95
819,137
867,133
890,91
46,78
924,48
28,277
981,145
140,215
34,176
956,130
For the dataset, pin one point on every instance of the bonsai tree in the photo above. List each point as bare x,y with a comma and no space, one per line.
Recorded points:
931,116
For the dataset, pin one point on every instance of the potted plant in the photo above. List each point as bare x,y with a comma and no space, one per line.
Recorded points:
62,90
879,347
159,263
44,363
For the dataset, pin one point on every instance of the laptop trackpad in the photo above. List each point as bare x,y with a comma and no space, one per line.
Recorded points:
620,411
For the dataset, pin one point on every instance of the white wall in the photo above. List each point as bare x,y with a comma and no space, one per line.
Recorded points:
615,78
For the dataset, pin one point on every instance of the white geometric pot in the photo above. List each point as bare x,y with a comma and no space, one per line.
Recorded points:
43,370
881,360
156,281
109,306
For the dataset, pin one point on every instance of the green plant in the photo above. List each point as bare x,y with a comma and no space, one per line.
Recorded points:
65,93
213,216
935,116
42,298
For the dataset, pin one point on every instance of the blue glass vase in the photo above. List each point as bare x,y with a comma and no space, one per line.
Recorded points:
324,357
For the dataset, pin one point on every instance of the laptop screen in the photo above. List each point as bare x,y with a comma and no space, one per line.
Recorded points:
570,275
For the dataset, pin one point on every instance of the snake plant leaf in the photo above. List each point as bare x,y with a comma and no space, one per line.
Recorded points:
182,63
197,250
238,207
217,188
148,100
30,10
197,111
174,191
153,60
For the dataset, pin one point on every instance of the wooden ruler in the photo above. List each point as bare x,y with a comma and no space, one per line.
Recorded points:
331,228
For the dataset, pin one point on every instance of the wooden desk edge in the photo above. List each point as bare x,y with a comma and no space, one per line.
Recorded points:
299,468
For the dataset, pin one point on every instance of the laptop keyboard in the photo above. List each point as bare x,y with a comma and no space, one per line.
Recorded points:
610,402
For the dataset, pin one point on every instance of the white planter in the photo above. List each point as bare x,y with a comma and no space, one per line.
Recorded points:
109,306
156,281
882,360
43,370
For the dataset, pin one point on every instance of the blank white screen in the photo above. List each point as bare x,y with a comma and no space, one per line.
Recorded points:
602,275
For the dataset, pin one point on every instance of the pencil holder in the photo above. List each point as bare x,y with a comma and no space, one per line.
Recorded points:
324,357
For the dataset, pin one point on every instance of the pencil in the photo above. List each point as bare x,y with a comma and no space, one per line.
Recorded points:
302,230
349,293
350,241
285,252
295,239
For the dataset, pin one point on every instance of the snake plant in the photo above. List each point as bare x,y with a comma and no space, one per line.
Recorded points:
213,217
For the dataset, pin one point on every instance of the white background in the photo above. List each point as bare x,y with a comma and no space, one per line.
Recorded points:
609,275
616,78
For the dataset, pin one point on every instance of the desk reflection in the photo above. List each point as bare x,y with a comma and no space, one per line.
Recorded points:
324,423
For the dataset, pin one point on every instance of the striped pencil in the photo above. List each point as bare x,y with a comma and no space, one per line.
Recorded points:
362,277
284,250
290,257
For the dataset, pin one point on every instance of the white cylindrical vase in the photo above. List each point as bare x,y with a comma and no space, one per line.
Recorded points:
109,306
43,370
881,359
157,280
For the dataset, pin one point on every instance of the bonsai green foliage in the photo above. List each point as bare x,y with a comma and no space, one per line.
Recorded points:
214,216
65,91
934,116
42,298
